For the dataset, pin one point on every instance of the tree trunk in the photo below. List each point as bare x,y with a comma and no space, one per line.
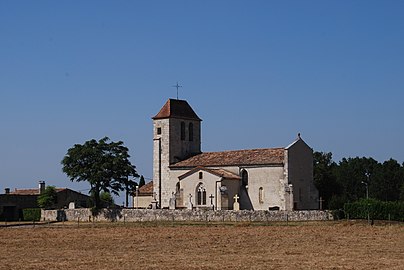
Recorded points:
127,198
97,197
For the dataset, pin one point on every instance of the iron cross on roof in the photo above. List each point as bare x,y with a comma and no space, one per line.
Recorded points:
177,86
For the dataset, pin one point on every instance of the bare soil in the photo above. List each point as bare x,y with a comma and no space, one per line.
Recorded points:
326,245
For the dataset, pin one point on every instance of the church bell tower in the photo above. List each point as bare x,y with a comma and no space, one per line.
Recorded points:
176,136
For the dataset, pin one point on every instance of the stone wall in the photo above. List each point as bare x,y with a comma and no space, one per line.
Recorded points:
147,215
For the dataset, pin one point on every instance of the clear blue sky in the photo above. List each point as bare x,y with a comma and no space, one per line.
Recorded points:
256,72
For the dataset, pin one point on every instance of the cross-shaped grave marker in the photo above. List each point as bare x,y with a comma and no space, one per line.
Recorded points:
321,203
211,201
190,206
236,205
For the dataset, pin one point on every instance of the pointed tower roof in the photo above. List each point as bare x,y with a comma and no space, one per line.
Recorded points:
175,108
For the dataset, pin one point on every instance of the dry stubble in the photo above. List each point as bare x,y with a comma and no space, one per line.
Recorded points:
304,246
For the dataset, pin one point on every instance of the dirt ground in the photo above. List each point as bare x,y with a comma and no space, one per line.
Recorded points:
326,245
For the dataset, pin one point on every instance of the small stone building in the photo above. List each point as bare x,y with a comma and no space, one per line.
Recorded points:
12,202
144,196
260,179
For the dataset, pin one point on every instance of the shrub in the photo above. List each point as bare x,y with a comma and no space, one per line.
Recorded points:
338,214
376,209
31,214
336,202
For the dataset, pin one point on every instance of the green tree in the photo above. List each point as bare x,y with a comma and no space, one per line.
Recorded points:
324,177
391,181
129,186
141,181
48,198
351,179
107,198
402,193
354,174
104,164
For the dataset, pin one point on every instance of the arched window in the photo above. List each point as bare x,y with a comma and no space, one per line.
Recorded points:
191,132
182,131
177,188
200,194
244,178
261,195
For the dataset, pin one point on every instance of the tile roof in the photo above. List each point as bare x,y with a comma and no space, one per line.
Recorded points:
218,172
25,191
30,191
175,108
223,173
270,156
147,189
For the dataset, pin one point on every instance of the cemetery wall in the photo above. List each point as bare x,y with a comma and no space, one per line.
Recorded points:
149,215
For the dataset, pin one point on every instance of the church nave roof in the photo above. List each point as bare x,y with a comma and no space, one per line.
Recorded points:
269,156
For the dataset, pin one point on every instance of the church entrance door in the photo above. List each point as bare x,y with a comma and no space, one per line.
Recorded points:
245,201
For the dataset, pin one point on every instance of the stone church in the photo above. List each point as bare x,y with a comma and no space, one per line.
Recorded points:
258,179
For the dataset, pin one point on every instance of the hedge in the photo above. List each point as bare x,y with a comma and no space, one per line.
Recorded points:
379,210
31,214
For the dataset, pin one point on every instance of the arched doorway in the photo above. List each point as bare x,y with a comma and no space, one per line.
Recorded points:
245,201
244,179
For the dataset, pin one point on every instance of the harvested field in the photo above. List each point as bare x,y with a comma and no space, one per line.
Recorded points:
326,245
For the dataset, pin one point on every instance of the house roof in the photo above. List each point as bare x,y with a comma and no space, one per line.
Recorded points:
218,172
147,189
175,108
30,191
269,156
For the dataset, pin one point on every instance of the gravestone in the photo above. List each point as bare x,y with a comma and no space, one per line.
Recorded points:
211,201
72,205
171,204
190,206
154,204
236,205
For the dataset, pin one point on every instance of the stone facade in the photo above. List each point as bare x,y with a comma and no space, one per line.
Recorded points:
269,181
210,189
142,201
172,142
299,174
280,178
